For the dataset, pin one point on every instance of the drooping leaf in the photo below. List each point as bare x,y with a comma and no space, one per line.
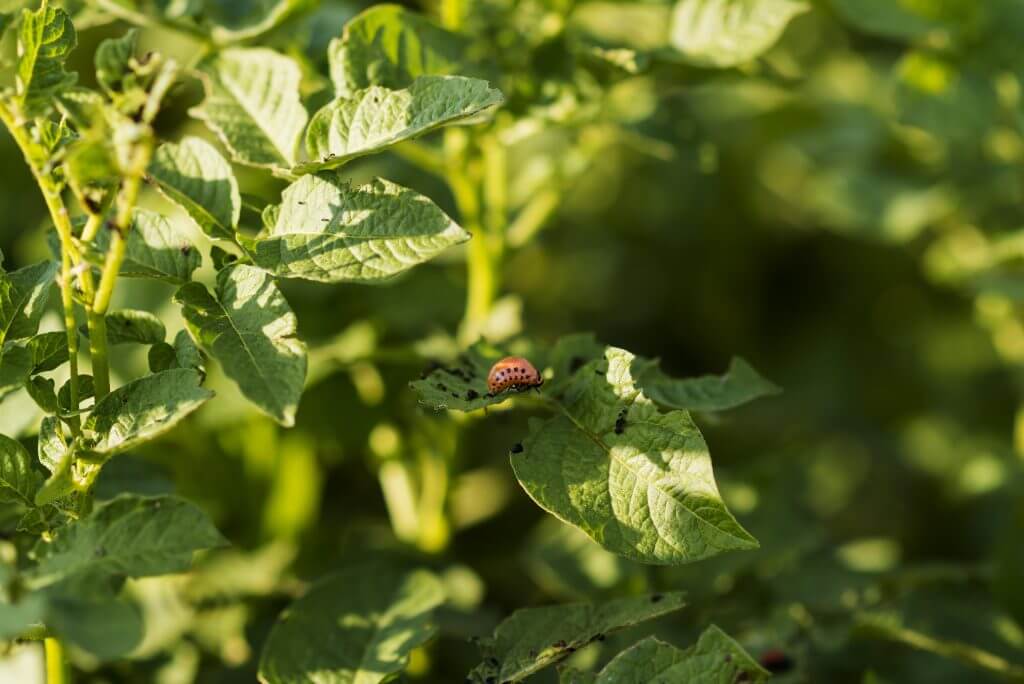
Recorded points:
532,639
356,626
248,326
715,659
55,454
252,104
131,326
155,250
329,231
44,392
739,385
370,120
724,33
637,481
23,297
49,351
15,367
19,481
129,536
388,45
195,176
142,409
45,38
105,625
244,20
113,61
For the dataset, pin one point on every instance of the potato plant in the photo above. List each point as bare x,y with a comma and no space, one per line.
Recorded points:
244,374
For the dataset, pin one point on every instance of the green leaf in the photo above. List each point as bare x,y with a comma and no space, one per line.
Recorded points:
129,536
18,479
15,367
85,391
142,409
16,618
375,118
724,33
463,385
155,250
715,659
249,328
906,19
130,326
195,176
252,104
739,385
182,354
531,639
45,38
390,46
57,457
329,231
237,21
637,481
44,392
113,61
161,357
356,626
104,625
23,296
49,351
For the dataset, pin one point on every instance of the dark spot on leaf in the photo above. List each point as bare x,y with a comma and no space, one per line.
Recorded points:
517,448
490,680
441,387
455,395
599,637
575,363
776,661
599,372
559,644
471,394
655,598
493,662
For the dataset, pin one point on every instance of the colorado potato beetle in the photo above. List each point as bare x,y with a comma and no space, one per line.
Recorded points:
513,373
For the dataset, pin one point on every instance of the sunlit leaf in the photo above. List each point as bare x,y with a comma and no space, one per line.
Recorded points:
45,38
23,297
19,481
252,104
329,231
724,33
143,409
194,175
373,119
155,250
248,326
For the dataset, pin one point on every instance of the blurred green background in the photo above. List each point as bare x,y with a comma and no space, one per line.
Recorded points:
844,213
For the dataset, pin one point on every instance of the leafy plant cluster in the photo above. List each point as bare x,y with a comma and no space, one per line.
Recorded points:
272,192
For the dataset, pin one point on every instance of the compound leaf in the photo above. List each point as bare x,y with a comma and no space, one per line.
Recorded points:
329,231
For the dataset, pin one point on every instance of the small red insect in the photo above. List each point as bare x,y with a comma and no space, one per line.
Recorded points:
513,373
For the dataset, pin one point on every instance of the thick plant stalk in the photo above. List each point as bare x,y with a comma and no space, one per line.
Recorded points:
57,671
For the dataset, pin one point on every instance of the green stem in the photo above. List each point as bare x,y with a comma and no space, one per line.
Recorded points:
62,222
150,21
57,671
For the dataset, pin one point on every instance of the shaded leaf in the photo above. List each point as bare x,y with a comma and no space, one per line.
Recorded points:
104,625
85,391
129,536
23,297
57,457
356,626
194,175
724,33
45,38
131,326
715,659
328,231
44,392
390,46
49,351
248,326
18,479
143,409
113,61
252,104
15,367
155,250
532,639
375,118
739,385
